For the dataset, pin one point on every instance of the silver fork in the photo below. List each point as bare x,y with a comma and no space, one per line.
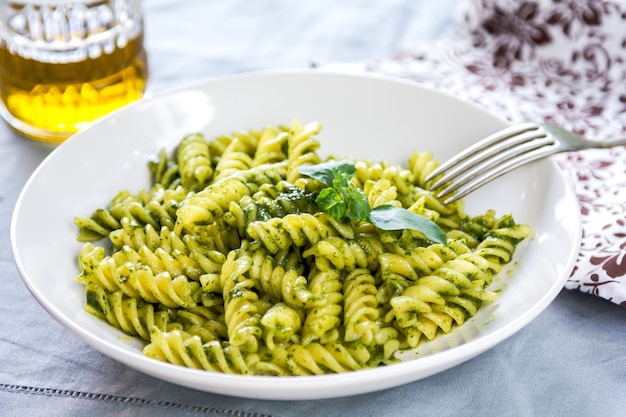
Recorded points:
502,152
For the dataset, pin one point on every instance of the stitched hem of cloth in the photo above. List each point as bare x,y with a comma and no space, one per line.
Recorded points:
58,392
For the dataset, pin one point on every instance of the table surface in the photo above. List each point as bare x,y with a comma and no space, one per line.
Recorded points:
570,361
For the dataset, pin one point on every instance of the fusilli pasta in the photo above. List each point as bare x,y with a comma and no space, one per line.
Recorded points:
227,263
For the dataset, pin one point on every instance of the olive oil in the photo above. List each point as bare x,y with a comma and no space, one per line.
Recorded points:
49,95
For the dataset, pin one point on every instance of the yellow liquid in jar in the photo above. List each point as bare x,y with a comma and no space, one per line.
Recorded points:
51,101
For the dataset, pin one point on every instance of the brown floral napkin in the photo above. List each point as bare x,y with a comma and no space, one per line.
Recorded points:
560,61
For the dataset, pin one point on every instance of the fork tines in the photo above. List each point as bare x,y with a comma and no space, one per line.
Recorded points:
488,159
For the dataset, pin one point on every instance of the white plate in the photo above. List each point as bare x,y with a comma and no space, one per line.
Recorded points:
363,117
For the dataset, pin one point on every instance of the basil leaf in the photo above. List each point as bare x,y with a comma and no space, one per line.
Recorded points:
331,202
358,207
387,217
326,172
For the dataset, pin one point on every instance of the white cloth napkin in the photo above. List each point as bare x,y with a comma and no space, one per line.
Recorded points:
562,62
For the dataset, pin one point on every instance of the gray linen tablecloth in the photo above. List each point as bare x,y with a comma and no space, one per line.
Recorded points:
570,361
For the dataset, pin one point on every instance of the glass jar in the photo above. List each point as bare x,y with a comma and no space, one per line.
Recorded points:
65,64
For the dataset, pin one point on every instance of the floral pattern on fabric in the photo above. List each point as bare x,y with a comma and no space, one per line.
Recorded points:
559,61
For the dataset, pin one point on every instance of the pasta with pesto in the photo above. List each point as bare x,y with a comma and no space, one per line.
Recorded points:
227,262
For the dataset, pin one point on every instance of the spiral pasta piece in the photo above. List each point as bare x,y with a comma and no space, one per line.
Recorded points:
122,271
499,244
281,280
281,324
400,268
284,198
163,207
102,222
211,202
360,307
234,159
181,348
136,237
205,322
318,359
302,148
272,146
217,146
450,216
240,308
398,177
194,162
323,358
208,259
335,252
131,315
156,208
268,202
164,171
322,322
381,192
97,226
296,229
203,207
421,164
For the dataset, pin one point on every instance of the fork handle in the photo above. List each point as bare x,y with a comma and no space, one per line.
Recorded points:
610,143
569,141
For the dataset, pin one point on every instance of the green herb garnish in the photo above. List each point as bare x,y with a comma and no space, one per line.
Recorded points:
344,201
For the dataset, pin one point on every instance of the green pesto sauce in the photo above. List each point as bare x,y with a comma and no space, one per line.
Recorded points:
94,300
